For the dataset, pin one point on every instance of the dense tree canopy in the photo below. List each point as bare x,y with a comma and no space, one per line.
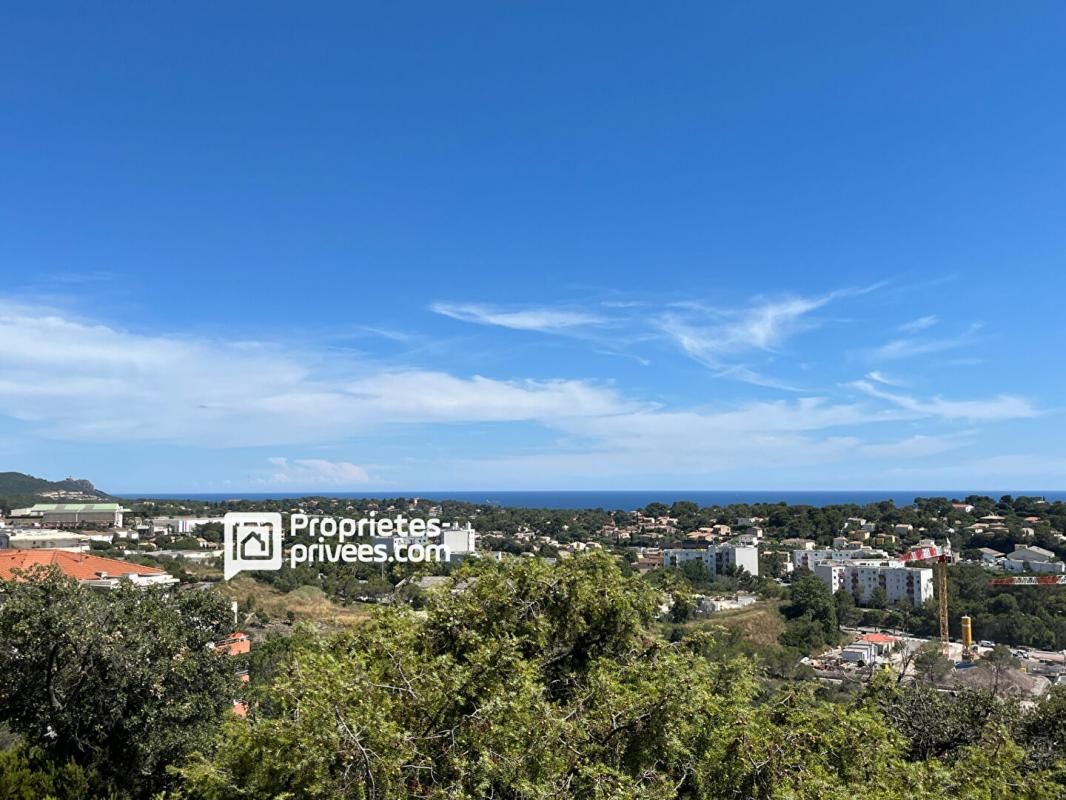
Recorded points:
122,683
519,680
541,682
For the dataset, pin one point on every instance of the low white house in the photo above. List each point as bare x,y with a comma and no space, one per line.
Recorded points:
861,653
1033,559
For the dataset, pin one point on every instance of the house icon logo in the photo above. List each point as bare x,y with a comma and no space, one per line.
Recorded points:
252,541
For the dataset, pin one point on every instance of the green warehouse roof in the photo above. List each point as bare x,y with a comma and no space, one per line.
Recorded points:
75,508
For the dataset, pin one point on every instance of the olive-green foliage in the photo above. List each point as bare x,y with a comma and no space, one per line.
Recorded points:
27,773
537,683
811,614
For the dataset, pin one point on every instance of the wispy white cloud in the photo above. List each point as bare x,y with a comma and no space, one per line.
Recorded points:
917,325
911,346
745,374
761,327
723,339
308,473
1000,407
915,446
545,320
880,377
735,343
1006,471
73,379
80,380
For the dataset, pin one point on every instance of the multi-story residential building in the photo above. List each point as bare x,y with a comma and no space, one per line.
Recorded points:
808,559
718,558
862,578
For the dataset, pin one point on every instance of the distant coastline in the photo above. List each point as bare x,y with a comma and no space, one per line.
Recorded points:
616,500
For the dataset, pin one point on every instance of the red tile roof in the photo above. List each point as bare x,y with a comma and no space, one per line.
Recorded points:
878,638
235,644
80,566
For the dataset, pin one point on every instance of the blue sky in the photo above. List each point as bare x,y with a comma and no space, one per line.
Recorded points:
246,246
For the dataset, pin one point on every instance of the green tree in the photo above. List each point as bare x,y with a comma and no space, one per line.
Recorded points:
930,665
121,683
28,772
847,612
813,602
538,683
878,598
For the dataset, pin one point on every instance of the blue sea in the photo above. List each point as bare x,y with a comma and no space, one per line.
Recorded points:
623,500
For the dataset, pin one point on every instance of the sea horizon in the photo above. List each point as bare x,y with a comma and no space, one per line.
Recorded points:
614,499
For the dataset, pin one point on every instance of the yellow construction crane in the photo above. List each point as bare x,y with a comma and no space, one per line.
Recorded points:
940,558
941,569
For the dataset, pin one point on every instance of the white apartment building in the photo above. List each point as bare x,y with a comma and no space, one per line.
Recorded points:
718,558
862,578
808,559
459,541
182,525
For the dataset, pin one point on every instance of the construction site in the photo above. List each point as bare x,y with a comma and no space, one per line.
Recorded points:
1011,671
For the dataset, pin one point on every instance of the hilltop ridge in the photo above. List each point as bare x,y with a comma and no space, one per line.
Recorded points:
19,484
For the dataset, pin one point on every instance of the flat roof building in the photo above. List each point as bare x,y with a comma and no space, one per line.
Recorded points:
718,558
862,579
72,514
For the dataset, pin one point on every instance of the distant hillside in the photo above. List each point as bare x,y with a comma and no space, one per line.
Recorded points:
18,484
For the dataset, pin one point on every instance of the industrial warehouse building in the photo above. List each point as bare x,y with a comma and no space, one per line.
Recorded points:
71,514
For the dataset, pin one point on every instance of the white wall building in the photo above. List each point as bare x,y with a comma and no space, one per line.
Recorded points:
182,525
862,578
718,558
459,541
808,559
61,514
39,538
1033,559
749,539
1052,567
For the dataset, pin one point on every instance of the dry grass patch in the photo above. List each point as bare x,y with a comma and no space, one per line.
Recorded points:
307,604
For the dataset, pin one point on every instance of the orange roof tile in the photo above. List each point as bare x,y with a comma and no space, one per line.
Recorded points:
80,566
878,638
